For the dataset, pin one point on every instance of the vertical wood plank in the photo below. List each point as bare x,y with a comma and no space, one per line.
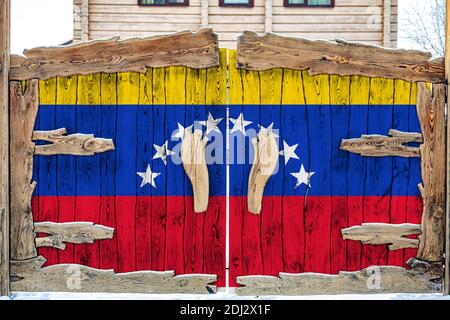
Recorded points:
340,115
4,150
144,154
447,204
271,215
175,84
159,215
108,99
66,90
356,167
292,214
318,214
127,127
88,168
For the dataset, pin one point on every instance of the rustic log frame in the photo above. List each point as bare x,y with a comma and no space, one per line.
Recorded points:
4,149
382,233
70,232
195,50
30,275
341,58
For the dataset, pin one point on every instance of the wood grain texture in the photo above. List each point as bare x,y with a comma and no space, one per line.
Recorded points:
23,110
447,215
28,275
193,158
384,146
195,50
70,232
372,280
4,149
383,233
431,112
341,58
77,144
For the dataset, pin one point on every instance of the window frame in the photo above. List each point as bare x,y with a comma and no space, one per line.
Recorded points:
249,4
181,4
306,5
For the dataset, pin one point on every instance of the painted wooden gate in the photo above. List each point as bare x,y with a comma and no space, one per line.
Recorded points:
131,168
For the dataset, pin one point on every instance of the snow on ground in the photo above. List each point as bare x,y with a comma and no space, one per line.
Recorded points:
221,295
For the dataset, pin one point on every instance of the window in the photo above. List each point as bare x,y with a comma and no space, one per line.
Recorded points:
236,3
163,2
309,3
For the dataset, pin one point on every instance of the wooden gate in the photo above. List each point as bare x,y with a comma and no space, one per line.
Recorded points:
127,142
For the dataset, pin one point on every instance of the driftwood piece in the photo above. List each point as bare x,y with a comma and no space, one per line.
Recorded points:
265,160
382,233
384,146
384,279
195,50
74,144
23,111
193,158
342,58
431,112
70,232
5,14
28,275
434,270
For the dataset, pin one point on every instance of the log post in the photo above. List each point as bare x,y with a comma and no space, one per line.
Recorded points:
447,232
4,150
23,111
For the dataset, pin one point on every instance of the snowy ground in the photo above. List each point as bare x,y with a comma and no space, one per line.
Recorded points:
221,295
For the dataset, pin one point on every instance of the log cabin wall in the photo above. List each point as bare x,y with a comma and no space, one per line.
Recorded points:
369,21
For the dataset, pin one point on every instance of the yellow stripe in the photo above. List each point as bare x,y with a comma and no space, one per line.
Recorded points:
216,81
88,90
339,90
292,91
235,79
66,88
317,88
47,91
175,84
109,89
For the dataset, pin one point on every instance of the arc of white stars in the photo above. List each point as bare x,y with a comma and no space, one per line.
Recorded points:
289,152
180,133
211,124
162,152
148,177
303,177
240,123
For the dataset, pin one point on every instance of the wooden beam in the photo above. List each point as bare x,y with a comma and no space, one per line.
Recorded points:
431,112
28,275
373,280
265,160
193,157
70,232
23,111
447,74
342,58
387,14
195,50
74,144
383,233
384,146
84,15
4,148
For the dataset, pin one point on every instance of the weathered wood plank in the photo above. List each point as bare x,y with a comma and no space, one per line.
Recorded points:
384,146
70,232
23,111
431,112
341,58
373,280
74,144
28,275
195,50
383,233
4,150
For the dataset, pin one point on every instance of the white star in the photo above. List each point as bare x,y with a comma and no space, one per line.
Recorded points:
288,152
268,130
148,177
211,124
239,124
303,177
179,134
163,152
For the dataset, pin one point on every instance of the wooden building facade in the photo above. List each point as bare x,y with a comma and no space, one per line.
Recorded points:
369,21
